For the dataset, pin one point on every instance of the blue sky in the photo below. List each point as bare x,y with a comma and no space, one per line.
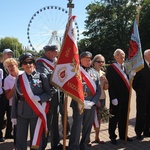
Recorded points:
15,15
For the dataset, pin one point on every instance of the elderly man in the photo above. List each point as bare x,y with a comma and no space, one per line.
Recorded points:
119,95
90,100
45,64
4,104
141,84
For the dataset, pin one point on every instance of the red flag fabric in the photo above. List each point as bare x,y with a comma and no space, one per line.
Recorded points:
66,75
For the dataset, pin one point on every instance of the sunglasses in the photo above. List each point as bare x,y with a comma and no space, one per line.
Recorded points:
28,62
98,61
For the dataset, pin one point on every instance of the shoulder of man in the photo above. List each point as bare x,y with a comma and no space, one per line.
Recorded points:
110,67
39,63
1,65
40,67
43,75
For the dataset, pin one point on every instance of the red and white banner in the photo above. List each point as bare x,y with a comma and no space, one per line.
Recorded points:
135,57
66,75
40,110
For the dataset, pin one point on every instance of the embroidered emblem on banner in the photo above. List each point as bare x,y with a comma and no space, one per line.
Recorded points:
62,74
76,69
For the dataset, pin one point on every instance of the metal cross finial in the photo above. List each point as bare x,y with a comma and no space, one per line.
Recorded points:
70,1
70,5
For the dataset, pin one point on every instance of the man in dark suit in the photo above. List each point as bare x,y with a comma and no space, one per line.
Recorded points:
141,84
119,95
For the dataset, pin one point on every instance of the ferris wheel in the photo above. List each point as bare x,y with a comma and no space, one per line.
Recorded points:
47,27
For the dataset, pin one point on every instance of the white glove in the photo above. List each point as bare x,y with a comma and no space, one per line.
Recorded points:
91,103
86,105
115,102
133,73
36,98
14,121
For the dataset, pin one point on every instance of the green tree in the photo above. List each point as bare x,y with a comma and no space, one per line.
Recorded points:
40,53
108,26
13,44
144,25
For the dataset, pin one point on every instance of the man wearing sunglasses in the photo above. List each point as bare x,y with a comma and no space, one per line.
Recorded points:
31,98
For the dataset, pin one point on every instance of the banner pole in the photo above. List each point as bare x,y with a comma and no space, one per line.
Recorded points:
65,121
130,93
70,6
128,111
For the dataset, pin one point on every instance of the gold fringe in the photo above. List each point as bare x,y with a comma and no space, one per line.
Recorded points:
35,147
72,96
96,129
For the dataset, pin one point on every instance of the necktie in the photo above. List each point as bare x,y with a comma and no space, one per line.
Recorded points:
29,77
122,67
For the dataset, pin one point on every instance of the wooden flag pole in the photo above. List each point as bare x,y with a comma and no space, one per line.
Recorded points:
128,111
138,14
65,121
70,6
130,92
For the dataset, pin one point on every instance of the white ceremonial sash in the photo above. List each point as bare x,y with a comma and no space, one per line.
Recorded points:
89,81
47,62
39,128
122,74
36,106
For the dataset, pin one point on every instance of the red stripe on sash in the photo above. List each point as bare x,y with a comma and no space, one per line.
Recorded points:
49,65
121,75
32,105
88,82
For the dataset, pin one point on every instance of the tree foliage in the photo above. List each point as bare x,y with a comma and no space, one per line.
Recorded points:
109,25
13,44
144,25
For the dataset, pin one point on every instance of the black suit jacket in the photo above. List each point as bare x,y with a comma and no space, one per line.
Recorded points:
117,87
5,74
141,82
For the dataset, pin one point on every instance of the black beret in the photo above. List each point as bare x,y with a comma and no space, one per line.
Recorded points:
50,48
85,54
24,56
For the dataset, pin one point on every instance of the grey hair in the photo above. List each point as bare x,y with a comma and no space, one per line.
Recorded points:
117,51
146,52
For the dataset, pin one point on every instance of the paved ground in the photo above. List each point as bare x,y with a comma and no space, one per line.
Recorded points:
135,145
